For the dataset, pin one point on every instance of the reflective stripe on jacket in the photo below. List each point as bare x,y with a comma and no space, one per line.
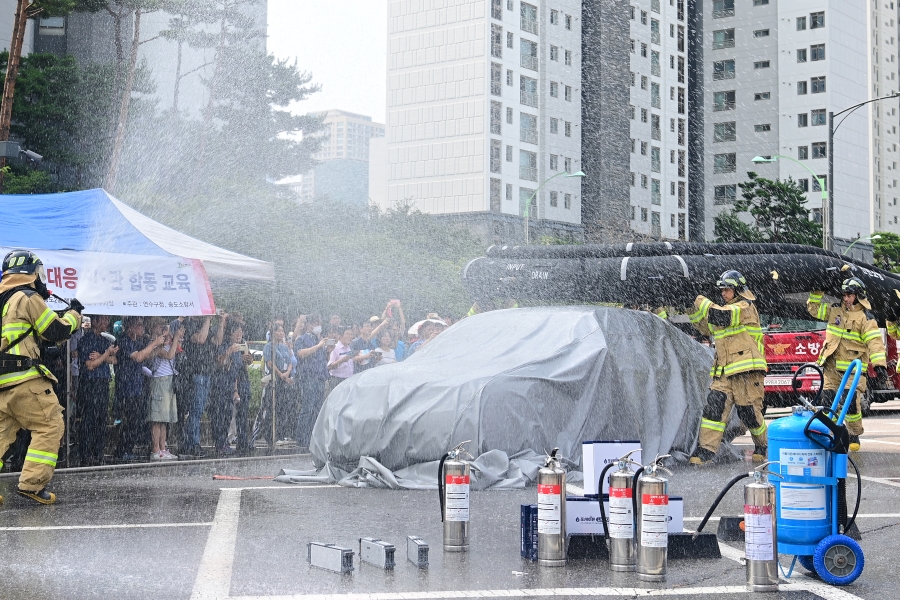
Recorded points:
850,334
737,334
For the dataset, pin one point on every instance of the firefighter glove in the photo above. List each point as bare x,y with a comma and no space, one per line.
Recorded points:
881,375
75,305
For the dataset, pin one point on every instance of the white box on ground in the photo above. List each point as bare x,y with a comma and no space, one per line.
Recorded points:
583,515
597,454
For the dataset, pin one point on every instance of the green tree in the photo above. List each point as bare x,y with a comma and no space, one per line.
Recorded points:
887,251
777,211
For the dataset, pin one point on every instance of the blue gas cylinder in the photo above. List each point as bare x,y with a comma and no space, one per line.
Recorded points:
804,508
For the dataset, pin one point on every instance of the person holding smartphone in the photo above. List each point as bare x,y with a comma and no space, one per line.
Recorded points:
343,359
312,369
95,355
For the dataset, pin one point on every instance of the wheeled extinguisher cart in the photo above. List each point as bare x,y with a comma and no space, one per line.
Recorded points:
453,487
811,447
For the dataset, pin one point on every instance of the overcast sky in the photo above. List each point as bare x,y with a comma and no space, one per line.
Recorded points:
342,43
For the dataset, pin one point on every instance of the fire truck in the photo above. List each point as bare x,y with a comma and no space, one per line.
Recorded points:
791,343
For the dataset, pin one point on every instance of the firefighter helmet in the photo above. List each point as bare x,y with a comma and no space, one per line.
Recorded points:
23,261
854,285
735,281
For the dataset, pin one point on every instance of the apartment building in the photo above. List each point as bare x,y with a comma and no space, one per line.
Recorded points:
772,72
483,106
884,54
658,113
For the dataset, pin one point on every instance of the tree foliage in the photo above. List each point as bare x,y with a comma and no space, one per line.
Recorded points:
777,214
887,251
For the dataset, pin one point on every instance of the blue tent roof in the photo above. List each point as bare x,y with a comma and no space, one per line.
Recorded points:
94,221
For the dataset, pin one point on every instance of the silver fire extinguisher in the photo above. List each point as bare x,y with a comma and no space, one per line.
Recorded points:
453,487
651,505
620,527
552,513
761,538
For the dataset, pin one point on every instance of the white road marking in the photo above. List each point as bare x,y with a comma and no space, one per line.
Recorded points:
214,574
123,526
286,486
876,480
868,516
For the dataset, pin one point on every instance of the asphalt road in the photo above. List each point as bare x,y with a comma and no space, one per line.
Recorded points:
171,531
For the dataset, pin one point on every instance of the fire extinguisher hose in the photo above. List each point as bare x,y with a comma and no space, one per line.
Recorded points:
715,504
600,498
852,519
634,494
441,482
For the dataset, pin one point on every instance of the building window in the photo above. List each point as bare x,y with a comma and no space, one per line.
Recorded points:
815,183
528,54
554,125
762,96
802,120
632,179
567,201
554,53
509,77
554,89
509,191
528,128
817,20
644,215
819,150
496,74
818,116
681,101
509,153
801,23
655,160
802,152
496,41
817,85
655,69
761,64
496,116
760,2
554,199
632,111
655,192
723,38
568,164
569,22
496,145
671,188
761,33
554,162
632,46
632,13
554,17
801,88
681,38
725,194
644,50
644,181
655,129
654,32
801,55
762,128
496,190
644,82
568,58
655,100
509,116
497,9
817,52
527,165
682,194
509,5
510,40
643,148
55,26
654,5
655,224
803,184
723,8
528,20
568,93
644,114
568,129
682,131
723,69
680,69
680,9
725,132
725,163
526,198
723,100
528,91
633,145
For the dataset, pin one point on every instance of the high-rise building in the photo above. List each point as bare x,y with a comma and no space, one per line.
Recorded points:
771,73
483,106
884,54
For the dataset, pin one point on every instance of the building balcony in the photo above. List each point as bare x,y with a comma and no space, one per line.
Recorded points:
496,88
531,25
529,62
724,106
528,173
719,44
721,14
528,99
529,135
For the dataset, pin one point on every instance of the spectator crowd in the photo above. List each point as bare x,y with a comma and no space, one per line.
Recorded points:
143,383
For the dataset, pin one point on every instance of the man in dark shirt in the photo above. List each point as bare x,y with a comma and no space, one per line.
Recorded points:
312,361
200,349
131,402
95,355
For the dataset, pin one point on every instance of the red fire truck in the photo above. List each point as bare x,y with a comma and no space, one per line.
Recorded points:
789,344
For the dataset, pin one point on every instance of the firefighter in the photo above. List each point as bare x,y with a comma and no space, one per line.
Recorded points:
27,400
739,368
852,333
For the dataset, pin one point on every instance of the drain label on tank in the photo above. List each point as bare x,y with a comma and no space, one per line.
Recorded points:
802,502
456,489
758,532
802,462
549,512
654,520
621,517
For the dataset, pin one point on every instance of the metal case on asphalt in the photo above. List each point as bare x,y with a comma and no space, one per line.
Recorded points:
329,557
376,552
597,454
417,551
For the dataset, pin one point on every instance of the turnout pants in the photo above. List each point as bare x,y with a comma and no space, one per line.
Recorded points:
744,390
32,405
833,377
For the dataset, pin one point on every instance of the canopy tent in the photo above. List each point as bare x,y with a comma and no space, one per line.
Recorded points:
118,261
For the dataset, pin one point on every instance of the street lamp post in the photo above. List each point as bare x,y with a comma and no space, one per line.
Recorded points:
822,186
829,231
533,195
868,237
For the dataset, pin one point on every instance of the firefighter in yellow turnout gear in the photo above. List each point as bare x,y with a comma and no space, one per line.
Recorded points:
27,400
852,333
739,368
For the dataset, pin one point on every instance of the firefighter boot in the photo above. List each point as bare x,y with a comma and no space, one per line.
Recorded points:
759,454
854,443
702,456
42,495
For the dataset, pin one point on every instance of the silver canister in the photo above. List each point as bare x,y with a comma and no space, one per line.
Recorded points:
621,519
552,513
760,535
652,531
455,477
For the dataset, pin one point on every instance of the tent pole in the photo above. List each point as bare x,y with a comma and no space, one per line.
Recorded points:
274,349
68,399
